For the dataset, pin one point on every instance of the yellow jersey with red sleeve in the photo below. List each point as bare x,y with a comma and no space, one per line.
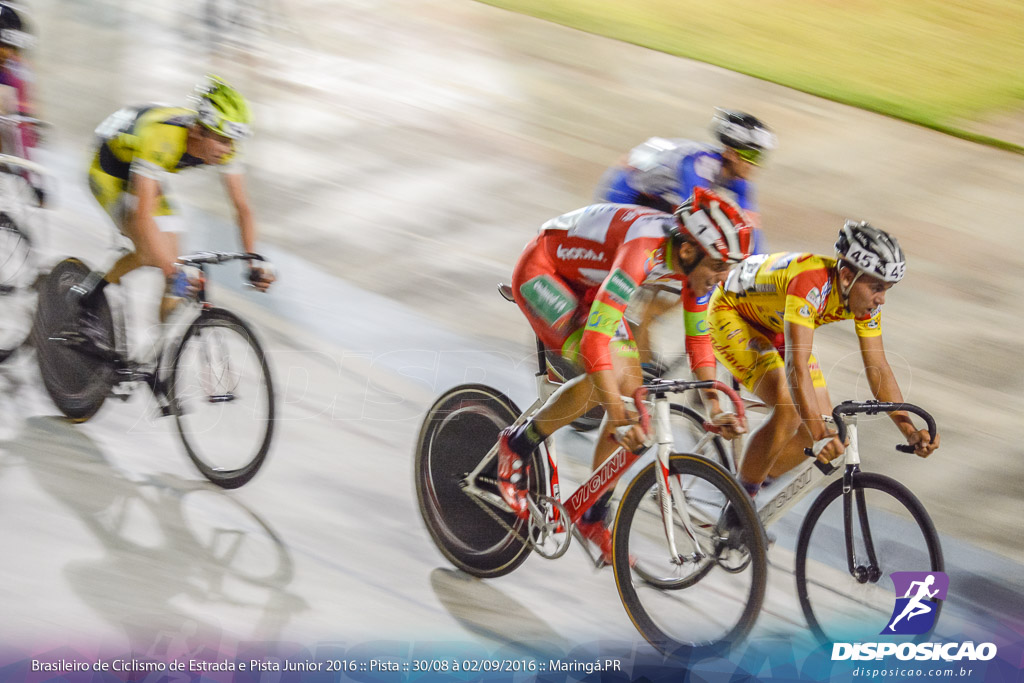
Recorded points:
773,289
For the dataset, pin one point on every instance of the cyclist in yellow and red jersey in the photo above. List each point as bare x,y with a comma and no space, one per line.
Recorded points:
573,283
762,326
138,149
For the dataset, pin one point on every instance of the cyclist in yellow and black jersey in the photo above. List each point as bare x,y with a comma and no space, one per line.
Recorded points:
137,150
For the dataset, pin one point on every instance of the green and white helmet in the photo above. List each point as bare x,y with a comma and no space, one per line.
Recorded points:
222,109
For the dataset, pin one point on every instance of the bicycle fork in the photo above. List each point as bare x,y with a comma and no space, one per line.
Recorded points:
854,497
666,498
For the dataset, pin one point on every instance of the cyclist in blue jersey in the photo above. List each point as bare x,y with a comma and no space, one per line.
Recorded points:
662,172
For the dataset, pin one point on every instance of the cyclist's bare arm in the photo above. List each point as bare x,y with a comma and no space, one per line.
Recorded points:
731,425
607,386
798,356
153,248
235,184
885,388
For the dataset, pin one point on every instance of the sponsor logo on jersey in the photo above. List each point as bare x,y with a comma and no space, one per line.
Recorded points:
579,254
547,299
804,312
783,261
620,286
655,258
814,297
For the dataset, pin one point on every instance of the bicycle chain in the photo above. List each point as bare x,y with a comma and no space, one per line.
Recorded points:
486,507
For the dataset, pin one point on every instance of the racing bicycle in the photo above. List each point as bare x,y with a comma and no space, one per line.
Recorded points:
20,217
207,369
690,582
859,530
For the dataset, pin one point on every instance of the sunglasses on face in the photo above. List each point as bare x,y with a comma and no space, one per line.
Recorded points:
751,156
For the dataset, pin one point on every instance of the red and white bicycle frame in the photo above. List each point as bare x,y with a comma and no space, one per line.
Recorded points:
605,477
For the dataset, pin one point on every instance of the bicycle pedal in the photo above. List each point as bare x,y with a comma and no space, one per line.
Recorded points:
121,394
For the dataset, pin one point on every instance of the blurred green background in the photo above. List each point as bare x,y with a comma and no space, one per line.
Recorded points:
950,65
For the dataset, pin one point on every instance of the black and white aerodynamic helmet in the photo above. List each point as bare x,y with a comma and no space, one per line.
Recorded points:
869,250
742,131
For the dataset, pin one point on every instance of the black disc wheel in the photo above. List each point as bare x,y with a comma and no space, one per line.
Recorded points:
467,523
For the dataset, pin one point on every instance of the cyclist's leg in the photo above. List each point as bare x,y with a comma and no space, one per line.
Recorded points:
551,307
792,453
769,440
151,248
655,304
751,357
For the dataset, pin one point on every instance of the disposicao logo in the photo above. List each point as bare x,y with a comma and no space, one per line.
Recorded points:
914,612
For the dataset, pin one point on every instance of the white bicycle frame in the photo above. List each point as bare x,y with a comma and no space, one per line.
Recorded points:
803,479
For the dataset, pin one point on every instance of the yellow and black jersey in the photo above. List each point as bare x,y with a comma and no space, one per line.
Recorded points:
148,140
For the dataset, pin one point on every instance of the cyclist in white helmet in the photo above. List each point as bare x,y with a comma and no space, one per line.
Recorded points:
762,325
574,281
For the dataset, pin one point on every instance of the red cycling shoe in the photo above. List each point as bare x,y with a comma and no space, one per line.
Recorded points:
598,534
511,476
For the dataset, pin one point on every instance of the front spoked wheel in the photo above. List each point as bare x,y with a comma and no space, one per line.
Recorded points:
706,596
464,515
886,529
222,397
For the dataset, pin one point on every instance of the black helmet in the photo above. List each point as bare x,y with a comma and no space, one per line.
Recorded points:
14,30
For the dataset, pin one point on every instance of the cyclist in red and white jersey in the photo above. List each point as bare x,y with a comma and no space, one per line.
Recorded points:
573,283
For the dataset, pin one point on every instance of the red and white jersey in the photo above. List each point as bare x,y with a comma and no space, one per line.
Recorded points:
606,252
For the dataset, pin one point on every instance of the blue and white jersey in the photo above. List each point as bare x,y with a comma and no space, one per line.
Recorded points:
663,172
670,169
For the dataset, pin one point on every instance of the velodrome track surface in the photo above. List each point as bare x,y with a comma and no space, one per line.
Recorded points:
405,153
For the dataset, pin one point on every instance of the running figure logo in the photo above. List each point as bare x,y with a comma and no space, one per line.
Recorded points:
914,612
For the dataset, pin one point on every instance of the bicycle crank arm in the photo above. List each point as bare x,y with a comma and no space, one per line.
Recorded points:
85,347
